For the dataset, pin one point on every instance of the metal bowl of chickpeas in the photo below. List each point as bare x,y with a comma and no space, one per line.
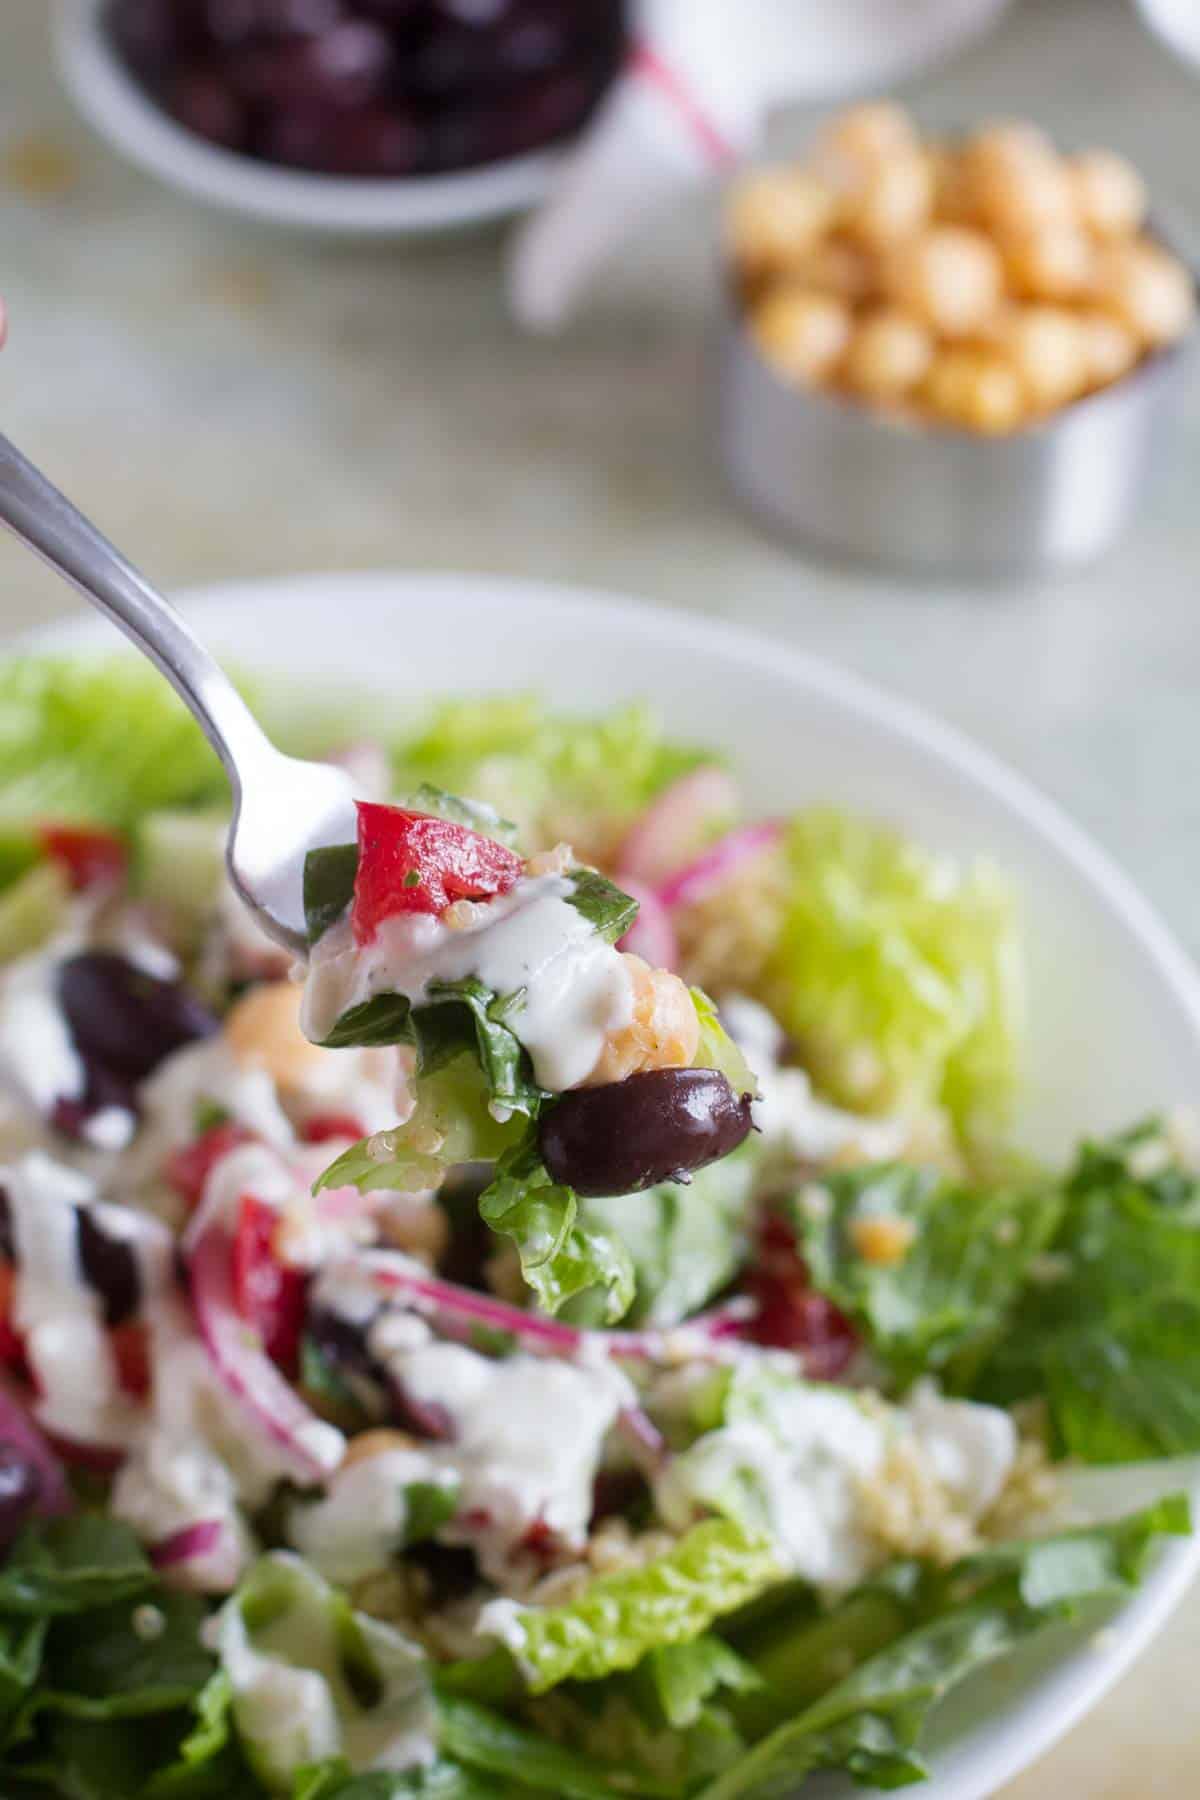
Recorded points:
952,355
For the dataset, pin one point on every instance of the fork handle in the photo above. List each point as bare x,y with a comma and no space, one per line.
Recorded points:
44,519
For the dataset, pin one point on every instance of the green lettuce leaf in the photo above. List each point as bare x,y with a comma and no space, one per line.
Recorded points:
451,1124
72,1565
486,1741
1108,1331
601,903
686,1243
209,1764
548,771
563,1254
313,1680
718,1050
950,1293
101,1665
98,741
683,1677
804,1661
898,972
440,1780
618,1618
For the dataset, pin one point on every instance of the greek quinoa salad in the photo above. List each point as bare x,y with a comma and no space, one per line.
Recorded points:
587,1333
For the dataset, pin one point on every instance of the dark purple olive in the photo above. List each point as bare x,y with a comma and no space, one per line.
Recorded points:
105,1091
110,1267
632,1134
347,66
153,35
233,23
202,101
20,1489
378,141
125,1019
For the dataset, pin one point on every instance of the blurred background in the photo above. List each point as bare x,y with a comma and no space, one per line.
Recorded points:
229,398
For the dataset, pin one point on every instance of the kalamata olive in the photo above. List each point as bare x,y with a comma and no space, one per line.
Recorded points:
110,1266
20,1488
203,101
105,1091
378,141
232,23
153,35
8,1247
124,1019
628,1135
347,66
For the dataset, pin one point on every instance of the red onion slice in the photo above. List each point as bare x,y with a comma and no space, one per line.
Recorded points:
673,827
718,865
652,935
18,1429
187,1545
311,1448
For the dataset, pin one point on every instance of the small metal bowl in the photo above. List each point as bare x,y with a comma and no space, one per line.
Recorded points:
857,483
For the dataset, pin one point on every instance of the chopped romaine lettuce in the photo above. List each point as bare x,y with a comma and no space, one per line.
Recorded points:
563,1253
686,1243
1108,1331
927,1268
908,1642
715,1568
897,971
718,1050
96,741
559,777
451,1123
312,1680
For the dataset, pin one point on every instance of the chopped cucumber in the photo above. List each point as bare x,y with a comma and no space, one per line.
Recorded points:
33,909
179,861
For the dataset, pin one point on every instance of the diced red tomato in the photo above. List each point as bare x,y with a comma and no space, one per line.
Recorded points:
410,862
12,1350
91,856
269,1296
131,1350
791,1314
189,1168
324,1126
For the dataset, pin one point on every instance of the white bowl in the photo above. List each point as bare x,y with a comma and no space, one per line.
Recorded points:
1116,1003
116,106
1177,23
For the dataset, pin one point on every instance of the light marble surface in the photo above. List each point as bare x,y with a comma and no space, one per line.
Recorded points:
228,403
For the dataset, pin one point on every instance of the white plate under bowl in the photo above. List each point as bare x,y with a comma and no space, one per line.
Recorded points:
1115,1027
116,106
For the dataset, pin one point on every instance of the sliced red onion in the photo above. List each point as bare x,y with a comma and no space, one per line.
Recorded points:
673,827
18,1429
460,1312
186,1545
645,1442
718,865
311,1448
652,935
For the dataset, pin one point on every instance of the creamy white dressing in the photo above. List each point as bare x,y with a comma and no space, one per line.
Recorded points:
801,1459
576,988
291,1700
207,1073
38,1061
528,1434
58,1315
169,1484
359,1524
787,1111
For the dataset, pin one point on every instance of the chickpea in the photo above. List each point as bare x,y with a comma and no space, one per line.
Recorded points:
263,1030
1050,262
836,266
1047,348
664,1033
895,200
951,191
1110,348
860,139
1110,195
1148,289
950,277
889,356
378,1442
1016,180
774,218
802,333
975,389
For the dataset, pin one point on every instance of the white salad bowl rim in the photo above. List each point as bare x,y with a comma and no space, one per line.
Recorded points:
248,619
116,107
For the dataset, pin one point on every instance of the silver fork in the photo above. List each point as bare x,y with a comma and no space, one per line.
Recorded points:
282,807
